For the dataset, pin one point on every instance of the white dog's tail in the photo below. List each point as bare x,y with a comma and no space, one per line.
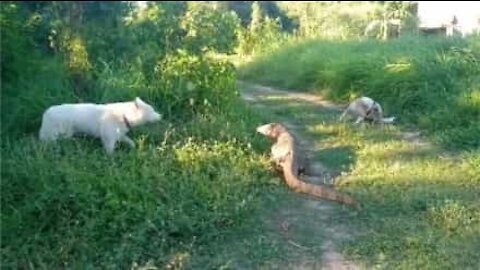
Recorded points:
388,120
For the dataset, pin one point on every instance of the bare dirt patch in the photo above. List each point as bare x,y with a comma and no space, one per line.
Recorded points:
312,215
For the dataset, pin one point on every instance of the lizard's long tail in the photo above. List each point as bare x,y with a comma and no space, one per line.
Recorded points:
311,189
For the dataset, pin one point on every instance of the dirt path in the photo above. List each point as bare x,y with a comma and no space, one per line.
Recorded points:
308,216
262,92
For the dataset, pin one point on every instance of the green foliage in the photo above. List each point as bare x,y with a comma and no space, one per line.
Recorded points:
82,209
243,9
195,177
191,178
431,83
420,203
424,213
333,20
27,87
14,43
154,32
329,21
452,217
189,83
208,29
109,58
263,34
398,9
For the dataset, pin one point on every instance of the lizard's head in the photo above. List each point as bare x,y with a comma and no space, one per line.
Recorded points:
272,130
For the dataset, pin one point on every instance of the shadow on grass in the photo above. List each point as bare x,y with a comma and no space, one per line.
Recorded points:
418,224
336,159
419,211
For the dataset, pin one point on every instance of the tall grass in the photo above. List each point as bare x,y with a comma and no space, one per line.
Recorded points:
192,178
180,190
420,204
432,83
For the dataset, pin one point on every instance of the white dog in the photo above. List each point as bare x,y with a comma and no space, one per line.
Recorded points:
366,108
109,122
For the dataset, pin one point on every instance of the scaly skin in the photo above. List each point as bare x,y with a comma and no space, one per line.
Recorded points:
287,157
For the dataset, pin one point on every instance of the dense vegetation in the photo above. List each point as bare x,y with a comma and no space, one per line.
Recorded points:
431,83
421,200
190,179
198,179
420,203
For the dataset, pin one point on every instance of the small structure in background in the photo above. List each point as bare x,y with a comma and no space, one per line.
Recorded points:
459,18
445,29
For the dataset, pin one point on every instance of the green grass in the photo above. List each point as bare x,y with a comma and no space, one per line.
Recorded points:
432,84
420,203
190,190
198,193
181,191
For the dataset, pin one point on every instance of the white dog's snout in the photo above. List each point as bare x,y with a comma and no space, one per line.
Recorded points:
262,129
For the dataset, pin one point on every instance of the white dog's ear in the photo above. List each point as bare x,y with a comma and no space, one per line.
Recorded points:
138,102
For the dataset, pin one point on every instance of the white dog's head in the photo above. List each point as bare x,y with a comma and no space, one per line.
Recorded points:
272,130
148,114
375,112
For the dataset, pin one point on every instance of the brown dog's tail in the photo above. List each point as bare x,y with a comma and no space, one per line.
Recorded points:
311,189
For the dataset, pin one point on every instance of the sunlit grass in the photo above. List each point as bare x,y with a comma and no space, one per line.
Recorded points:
429,83
420,202
178,194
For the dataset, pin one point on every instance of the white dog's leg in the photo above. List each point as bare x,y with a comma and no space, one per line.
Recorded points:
109,145
359,120
127,140
344,114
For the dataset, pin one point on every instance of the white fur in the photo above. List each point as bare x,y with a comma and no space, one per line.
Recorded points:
264,129
109,122
359,108
389,120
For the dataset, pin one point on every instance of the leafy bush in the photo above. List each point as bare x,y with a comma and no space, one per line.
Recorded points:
208,29
191,178
264,34
188,83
